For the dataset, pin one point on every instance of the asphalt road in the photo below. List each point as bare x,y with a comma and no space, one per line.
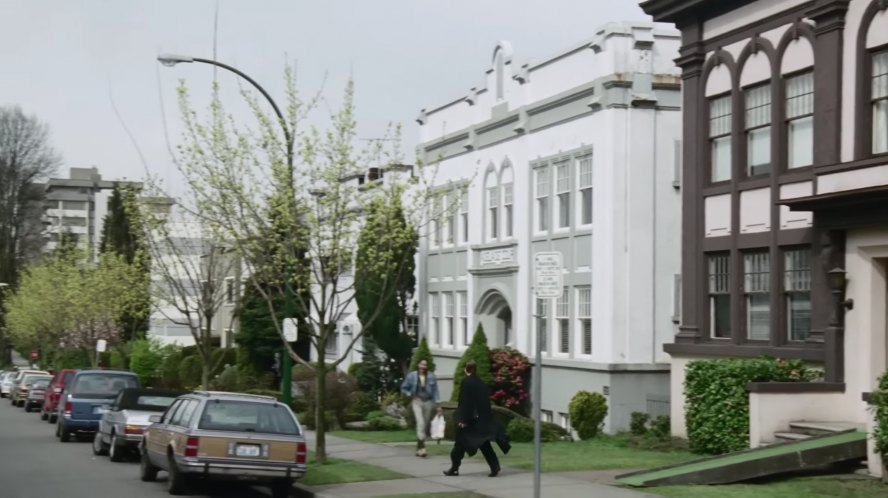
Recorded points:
34,464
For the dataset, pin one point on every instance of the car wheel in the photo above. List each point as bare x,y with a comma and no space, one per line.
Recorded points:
44,415
63,433
53,419
176,481
281,488
28,408
115,452
147,470
98,446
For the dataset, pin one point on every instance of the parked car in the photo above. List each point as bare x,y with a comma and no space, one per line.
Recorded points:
217,435
36,394
61,379
121,426
20,385
6,382
81,405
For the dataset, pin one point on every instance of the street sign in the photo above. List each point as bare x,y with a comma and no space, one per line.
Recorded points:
101,345
547,279
290,329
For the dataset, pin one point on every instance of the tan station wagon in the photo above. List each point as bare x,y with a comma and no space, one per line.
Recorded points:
218,435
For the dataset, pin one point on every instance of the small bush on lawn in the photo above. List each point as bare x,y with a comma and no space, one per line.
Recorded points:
362,403
587,411
717,403
480,353
423,353
146,360
520,430
384,423
638,423
339,388
661,428
190,371
879,404
510,370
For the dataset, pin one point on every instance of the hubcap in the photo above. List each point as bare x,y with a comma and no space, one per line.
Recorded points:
113,450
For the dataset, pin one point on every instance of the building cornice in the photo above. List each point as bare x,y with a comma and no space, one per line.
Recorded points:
677,11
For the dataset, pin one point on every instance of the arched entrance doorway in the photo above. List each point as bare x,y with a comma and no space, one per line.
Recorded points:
495,314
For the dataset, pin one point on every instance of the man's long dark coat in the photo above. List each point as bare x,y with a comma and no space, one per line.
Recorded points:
474,411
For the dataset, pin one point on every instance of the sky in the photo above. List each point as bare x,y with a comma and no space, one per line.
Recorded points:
87,68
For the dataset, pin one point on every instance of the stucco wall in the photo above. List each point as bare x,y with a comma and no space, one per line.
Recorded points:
772,412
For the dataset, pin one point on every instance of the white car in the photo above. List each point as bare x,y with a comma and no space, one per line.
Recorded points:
10,380
6,379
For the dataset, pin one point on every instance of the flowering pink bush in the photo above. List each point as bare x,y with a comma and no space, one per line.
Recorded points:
510,371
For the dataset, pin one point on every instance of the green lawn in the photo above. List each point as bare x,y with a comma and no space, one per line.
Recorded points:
337,471
806,487
404,436
455,494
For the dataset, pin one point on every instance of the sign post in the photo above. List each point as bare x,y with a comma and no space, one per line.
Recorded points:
101,346
548,283
290,334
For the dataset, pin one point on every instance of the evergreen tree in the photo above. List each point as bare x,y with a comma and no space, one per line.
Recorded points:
423,353
389,329
480,353
258,339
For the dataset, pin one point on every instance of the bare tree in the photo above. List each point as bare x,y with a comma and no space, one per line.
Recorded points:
25,159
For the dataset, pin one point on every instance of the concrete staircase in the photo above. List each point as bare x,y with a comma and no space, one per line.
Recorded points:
802,430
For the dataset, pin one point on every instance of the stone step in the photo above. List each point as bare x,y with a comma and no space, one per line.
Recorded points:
823,428
790,436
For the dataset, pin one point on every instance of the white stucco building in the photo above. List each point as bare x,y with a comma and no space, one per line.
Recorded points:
577,153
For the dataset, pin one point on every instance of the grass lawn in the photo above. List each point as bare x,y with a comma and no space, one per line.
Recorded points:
337,471
804,487
404,436
455,494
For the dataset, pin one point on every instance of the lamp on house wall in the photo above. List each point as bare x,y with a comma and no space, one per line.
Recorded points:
837,279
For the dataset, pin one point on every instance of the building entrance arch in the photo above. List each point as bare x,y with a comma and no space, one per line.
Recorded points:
495,315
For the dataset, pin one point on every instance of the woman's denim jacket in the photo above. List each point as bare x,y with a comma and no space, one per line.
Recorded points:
411,384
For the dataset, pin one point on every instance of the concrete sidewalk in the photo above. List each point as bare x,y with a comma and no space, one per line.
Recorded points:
426,476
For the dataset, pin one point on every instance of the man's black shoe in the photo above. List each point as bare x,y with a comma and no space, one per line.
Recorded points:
451,472
494,473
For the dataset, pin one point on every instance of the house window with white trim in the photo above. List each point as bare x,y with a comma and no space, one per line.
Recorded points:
584,316
562,315
449,306
720,138
464,216
800,120
464,317
229,290
797,284
880,101
542,185
757,286
492,212
507,209
720,296
435,225
450,218
758,130
584,185
435,313
542,323
562,171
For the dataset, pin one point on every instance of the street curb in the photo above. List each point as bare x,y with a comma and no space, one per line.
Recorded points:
302,491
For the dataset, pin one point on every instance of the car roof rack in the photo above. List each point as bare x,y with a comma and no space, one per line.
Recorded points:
234,395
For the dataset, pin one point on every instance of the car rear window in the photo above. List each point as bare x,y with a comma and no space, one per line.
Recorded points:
102,385
40,384
247,416
154,403
67,378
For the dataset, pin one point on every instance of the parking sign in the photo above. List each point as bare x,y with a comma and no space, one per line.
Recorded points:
547,279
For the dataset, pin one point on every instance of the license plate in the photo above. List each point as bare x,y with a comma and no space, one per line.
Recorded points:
247,450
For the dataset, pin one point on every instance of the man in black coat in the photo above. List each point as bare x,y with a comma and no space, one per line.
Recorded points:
476,427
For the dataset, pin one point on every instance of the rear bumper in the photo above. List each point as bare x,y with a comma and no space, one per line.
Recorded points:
73,424
265,471
130,440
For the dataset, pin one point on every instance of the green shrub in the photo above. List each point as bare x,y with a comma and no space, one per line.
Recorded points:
146,360
510,371
422,353
169,369
384,423
339,387
520,430
354,368
190,371
221,357
374,414
264,392
717,403
480,353
71,358
117,360
299,404
661,428
879,404
362,403
587,411
638,423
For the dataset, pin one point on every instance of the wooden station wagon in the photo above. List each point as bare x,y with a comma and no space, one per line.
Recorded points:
219,435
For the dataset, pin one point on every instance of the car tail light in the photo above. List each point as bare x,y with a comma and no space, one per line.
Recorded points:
69,407
300,453
57,390
191,447
133,429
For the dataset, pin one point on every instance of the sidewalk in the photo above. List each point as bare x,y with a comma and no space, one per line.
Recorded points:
427,476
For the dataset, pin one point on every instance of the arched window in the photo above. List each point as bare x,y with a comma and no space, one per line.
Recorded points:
500,67
796,61
719,76
491,188
872,84
755,80
506,181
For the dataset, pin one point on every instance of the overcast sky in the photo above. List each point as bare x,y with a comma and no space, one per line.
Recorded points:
65,61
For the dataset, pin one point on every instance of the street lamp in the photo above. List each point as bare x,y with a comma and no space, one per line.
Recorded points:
170,60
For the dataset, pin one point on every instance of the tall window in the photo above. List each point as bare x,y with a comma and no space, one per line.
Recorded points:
584,184
562,170
562,312
757,286
229,290
507,209
584,315
492,210
797,264
800,120
720,295
464,216
720,138
450,221
542,198
758,130
450,334
435,306
464,317
880,102
435,225
542,323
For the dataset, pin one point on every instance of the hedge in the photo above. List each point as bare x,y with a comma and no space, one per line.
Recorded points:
879,404
717,403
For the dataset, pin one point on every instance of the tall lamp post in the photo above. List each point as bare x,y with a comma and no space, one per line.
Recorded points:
171,60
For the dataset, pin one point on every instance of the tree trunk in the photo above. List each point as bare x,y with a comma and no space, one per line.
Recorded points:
321,406
205,376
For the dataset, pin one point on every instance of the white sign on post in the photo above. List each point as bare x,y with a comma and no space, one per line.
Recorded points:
101,345
290,329
547,279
